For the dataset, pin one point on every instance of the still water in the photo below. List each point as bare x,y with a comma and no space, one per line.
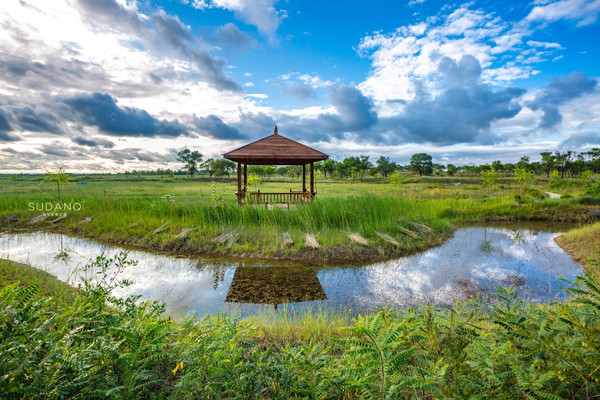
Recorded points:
475,261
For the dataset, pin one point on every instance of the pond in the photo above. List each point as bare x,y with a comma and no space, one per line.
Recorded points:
476,260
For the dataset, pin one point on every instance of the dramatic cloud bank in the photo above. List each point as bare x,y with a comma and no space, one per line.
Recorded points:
462,113
159,32
121,84
101,110
560,91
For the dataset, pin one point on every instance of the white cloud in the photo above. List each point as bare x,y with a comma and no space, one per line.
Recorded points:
547,45
418,29
55,52
109,58
57,32
260,13
261,96
508,73
411,54
585,12
315,81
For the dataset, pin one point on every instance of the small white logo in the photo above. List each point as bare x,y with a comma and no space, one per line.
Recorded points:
54,208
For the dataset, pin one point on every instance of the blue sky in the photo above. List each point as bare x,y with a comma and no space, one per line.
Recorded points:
113,85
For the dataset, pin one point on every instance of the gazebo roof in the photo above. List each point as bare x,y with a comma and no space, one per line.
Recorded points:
275,150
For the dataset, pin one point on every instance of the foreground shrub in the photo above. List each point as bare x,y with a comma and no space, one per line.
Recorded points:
105,347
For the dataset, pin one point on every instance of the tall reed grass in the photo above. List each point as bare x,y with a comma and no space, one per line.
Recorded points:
129,213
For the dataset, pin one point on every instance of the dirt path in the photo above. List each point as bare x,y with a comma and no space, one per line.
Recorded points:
554,195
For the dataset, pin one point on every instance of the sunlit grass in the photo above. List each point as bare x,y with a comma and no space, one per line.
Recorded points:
322,325
130,212
584,244
48,285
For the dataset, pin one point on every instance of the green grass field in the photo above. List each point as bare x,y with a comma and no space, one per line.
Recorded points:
48,285
584,245
137,213
85,342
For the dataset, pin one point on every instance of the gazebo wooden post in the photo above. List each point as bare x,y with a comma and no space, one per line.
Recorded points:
312,179
303,178
239,181
245,178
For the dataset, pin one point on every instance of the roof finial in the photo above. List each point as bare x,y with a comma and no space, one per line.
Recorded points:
275,131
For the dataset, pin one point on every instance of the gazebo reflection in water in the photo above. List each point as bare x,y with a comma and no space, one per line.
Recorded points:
275,150
274,285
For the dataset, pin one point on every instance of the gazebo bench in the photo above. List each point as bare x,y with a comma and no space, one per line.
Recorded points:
266,198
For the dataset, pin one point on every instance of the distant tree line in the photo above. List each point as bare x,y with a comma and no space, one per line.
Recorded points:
558,164
566,164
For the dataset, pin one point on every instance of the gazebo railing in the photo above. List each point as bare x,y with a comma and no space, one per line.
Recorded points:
291,197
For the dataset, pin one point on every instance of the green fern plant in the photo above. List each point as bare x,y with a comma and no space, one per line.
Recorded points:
376,356
101,347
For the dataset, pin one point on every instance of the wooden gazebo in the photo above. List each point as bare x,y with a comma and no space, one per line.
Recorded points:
275,150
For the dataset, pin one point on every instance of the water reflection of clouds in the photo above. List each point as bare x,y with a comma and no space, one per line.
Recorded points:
458,269
183,284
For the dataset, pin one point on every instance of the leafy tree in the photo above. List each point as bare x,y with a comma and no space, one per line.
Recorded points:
523,177
555,174
385,166
282,171
586,176
489,177
268,170
562,160
59,177
206,166
364,164
340,170
470,169
190,160
395,178
256,170
421,163
222,167
497,165
254,179
294,171
327,166
356,165
547,162
438,168
344,168
593,159
451,169
523,162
